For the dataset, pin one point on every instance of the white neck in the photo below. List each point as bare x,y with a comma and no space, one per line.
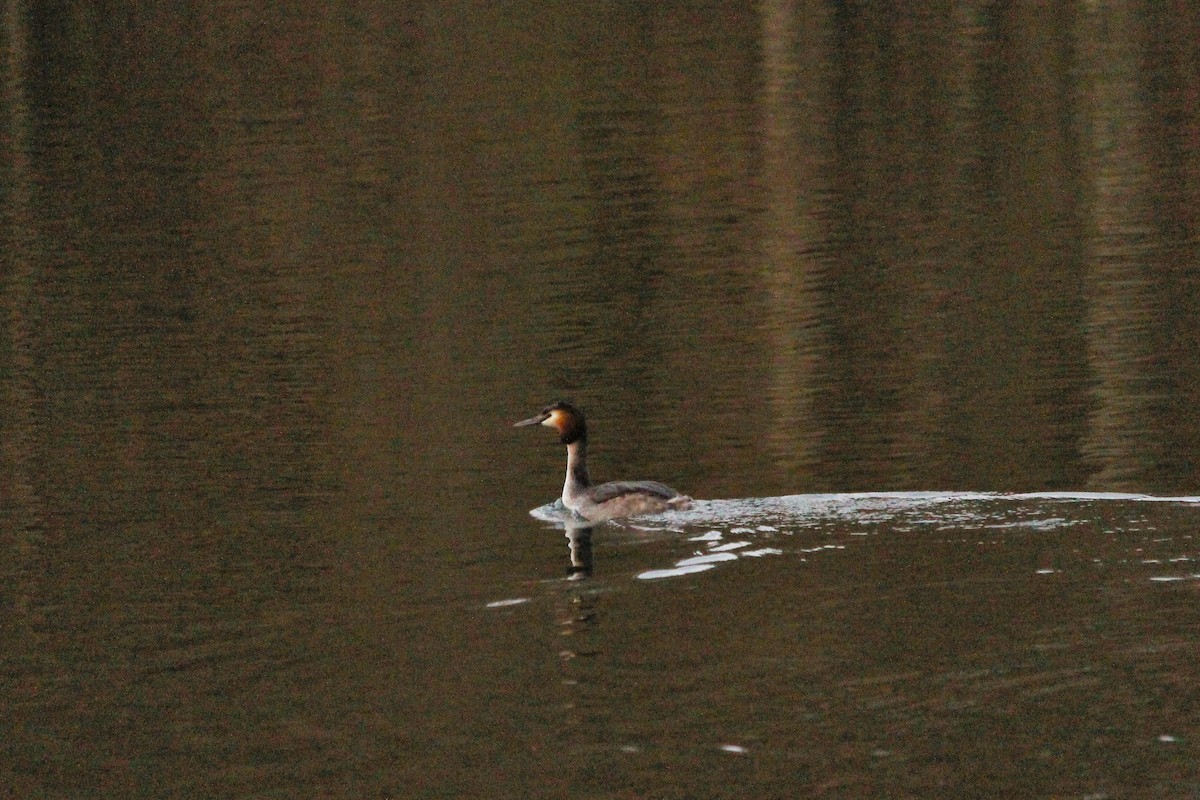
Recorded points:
577,480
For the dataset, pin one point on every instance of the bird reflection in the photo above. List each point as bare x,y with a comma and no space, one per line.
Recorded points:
577,617
579,538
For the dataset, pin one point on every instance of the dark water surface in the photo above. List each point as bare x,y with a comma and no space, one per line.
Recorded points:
915,290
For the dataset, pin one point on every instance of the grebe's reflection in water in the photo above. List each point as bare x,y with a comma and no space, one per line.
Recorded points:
579,539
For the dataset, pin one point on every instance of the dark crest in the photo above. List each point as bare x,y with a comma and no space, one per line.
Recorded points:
573,427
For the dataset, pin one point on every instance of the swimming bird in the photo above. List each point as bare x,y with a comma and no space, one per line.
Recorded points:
606,500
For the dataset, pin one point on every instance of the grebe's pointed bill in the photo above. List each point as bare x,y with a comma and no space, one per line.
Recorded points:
538,420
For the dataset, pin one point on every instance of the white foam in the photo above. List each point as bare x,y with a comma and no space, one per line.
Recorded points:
708,558
674,572
514,601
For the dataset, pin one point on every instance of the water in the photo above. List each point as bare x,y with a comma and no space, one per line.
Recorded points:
924,643
907,301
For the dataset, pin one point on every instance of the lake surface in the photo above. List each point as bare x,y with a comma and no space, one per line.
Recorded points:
908,300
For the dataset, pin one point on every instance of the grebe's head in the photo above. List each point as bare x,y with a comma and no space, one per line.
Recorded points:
562,417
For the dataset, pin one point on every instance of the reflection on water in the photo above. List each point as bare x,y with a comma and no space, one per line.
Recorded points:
580,539
272,289
752,528
1006,633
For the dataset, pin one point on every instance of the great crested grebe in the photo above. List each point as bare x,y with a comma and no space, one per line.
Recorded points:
608,500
